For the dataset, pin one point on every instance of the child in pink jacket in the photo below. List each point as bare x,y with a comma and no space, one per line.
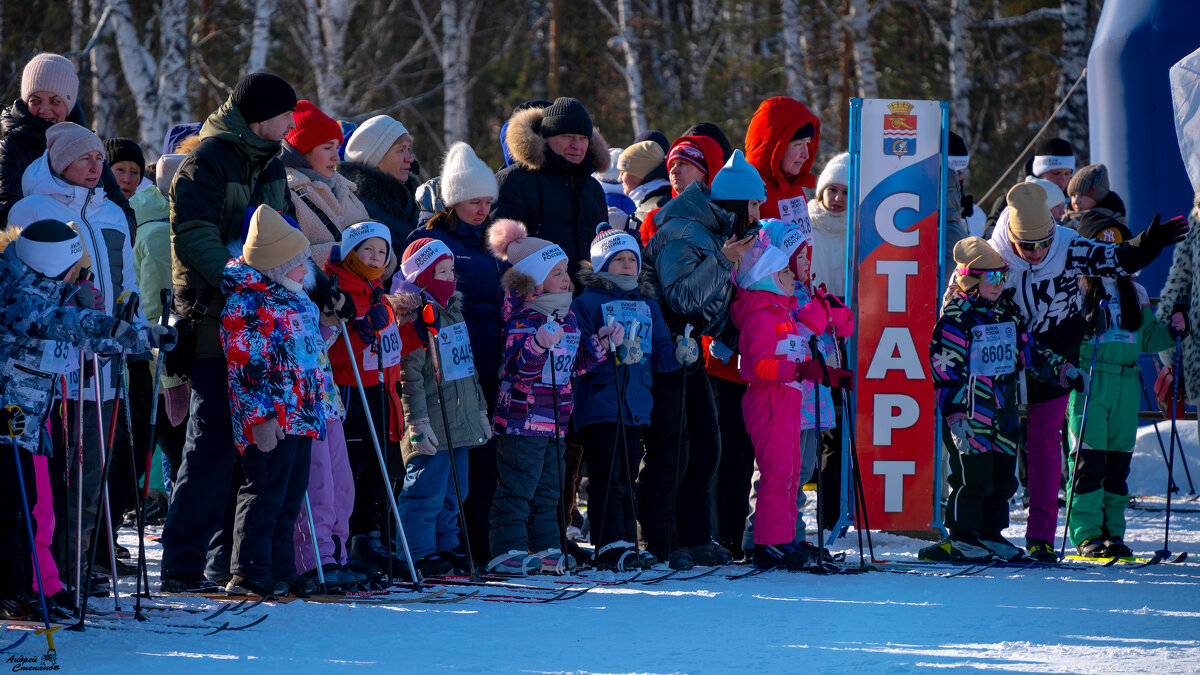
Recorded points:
775,360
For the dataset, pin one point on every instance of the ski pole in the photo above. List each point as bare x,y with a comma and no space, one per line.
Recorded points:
621,384
815,348
860,495
165,299
1175,397
387,481
79,405
430,319
683,372
15,428
1087,396
1162,448
312,535
558,463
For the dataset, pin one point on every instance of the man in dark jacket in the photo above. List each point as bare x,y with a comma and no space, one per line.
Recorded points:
234,168
49,88
550,186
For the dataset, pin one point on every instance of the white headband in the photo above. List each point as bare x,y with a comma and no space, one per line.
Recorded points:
423,258
539,263
958,162
359,232
50,258
1044,163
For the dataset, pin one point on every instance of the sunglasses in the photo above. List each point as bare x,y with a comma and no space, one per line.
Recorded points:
994,277
1035,245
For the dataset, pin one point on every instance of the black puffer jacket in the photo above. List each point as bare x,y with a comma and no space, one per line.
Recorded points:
22,140
556,200
387,200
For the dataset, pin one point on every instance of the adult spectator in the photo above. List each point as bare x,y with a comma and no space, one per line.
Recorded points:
379,160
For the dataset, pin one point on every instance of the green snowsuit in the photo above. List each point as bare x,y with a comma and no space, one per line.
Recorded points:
1101,494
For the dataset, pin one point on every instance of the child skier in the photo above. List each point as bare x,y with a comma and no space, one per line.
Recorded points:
428,501
1126,329
978,346
278,390
535,401
777,364
37,335
616,291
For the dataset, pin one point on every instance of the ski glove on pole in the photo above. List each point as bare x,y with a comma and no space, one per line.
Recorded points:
547,336
1076,379
611,335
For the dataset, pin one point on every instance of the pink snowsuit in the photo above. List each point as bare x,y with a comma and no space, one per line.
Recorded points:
771,343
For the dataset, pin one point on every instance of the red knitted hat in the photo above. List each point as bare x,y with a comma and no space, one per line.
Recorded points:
313,128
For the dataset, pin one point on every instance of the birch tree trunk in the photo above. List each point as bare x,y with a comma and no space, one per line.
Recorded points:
325,26
104,90
859,18
793,54
631,69
960,82
1073,119
260,35
458,22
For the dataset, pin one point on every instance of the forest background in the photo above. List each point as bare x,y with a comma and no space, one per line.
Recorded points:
454,69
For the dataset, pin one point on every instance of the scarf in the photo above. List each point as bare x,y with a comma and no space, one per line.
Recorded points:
551,304
621,281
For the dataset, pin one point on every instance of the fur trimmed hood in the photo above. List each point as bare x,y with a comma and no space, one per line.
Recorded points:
391,195
8,235
528,149
589,278
518,283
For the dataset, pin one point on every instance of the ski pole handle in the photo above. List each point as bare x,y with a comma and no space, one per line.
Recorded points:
687,332
130,308
608,322
165,297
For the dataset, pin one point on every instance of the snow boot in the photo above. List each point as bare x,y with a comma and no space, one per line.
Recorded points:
619,556
782,556
369,551
680,559
194,582
996,543
457,561
1041,551
337,580
124,569
711,554
56,611
264,587
21,607
554,561
370,578
814,552
432,565
1116,548
966,546
300,585
515,564
939,552
646,560
1092,547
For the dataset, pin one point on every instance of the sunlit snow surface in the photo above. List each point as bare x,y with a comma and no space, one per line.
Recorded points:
1069,621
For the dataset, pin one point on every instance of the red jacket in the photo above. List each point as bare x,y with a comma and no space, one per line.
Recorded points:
767,139
360,291
712,157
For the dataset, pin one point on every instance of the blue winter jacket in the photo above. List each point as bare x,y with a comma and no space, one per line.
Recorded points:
479,282
595,395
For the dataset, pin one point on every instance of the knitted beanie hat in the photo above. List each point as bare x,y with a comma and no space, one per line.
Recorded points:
1052,153
421,258
49,247
956,153
1101,227
1030,218
273,246
608,243
654,135
359,232
806,130
714,132
124,150
691,153
640,159
165,170
261,96
313,128
1054,194
1090,181
52,73
761,261
531,256
566,116
738,179
372,139
67,142
465,176
974,254
836,172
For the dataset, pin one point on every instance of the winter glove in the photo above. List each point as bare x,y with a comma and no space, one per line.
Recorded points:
810,371
630,351
266,435
719,351
1179,325
487,425
547,336
428,317
125,335
686,351
176,401
967,204
377,318
612,335
815,315
841,378
1076,379
333,300
1099,320
1144,248
162,337
960,432
422,436
87,296
12,421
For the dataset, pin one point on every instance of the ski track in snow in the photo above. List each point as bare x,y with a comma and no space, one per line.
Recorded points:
1006,620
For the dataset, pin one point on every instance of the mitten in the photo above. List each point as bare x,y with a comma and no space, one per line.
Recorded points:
422,436
266,435
686,351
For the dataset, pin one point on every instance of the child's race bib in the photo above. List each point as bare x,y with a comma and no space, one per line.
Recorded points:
794,211
793,348
1118,335
388,344
306,338
994,349
58,357
626,312
454,350
562,360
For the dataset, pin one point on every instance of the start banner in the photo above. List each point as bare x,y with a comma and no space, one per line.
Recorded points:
895,251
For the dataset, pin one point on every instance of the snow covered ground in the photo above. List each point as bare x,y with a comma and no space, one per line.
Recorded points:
1069,621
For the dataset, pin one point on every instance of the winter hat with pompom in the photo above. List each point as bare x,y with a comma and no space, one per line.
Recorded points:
529,256
608,243
759,267
49,247
465,176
